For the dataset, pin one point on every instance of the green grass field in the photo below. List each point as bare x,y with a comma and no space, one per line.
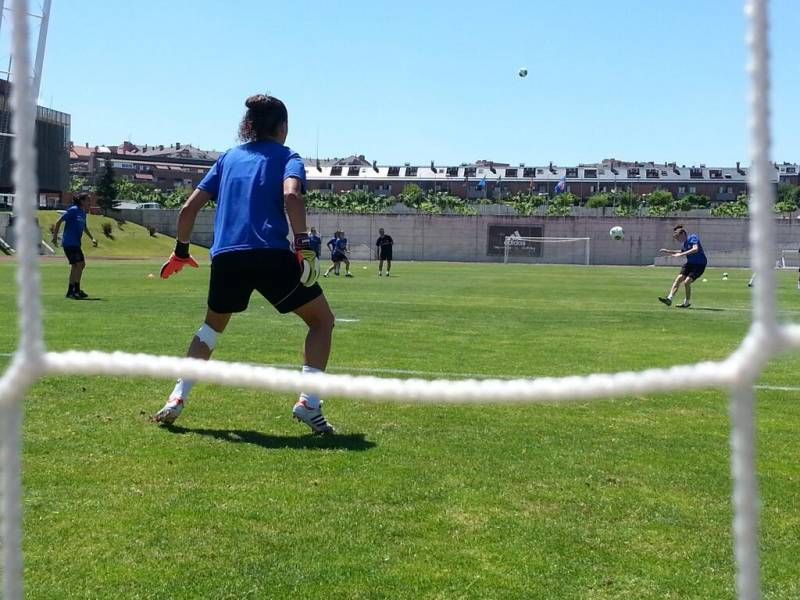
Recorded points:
619,498
128,240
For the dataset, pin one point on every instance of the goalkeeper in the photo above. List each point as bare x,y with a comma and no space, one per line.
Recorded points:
253,184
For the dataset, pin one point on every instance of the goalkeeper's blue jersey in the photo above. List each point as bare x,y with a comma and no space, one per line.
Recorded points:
247,182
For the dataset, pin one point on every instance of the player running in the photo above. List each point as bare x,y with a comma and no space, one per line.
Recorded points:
252,184
335,259
695,265
339,249
74,219
384,244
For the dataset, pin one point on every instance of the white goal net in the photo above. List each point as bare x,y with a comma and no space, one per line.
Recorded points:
546,250
737,373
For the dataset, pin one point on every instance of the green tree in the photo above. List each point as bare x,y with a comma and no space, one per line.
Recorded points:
626,204
600,200
660,203
561,205
78,184
737,209
176,197
525,204
107,190
412,195
697,200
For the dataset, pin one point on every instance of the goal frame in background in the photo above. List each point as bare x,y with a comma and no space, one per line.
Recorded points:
511,242
737,373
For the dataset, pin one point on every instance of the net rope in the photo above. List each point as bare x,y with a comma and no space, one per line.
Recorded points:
738,373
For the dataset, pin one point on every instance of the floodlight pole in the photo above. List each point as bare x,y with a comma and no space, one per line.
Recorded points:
43,25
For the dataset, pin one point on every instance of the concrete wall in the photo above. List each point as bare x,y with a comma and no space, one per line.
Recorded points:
466,239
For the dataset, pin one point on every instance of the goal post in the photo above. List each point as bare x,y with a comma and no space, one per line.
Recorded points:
789,259
546,250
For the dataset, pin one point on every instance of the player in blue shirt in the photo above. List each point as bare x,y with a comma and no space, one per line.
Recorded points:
74,219
339,249
315,241
692,270
256,185
331,245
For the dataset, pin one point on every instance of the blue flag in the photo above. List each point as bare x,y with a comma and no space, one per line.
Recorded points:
482,184
561,186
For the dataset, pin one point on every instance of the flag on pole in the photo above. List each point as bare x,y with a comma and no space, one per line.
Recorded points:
482,184
561,186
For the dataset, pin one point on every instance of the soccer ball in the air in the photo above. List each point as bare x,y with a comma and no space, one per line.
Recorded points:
523,72
616,233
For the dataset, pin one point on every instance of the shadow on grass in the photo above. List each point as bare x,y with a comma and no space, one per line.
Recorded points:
351,441
709,309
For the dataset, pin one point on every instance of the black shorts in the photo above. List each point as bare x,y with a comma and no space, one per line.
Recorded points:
74,254
385,253
693,271
338,257
275,274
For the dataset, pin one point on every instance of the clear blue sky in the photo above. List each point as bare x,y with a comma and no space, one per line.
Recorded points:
420,81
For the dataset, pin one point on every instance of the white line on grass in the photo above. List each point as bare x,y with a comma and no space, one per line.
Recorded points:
779,388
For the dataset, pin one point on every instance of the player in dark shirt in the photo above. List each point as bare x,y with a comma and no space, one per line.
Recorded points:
696,261
384,244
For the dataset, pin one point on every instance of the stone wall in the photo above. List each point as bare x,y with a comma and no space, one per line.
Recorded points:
466,239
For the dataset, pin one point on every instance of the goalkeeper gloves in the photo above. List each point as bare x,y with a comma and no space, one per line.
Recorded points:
307,258
177,260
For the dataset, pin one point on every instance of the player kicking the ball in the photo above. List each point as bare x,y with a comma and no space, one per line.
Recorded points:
695,265
252,184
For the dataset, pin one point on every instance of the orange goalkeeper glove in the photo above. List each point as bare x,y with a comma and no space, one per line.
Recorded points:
177,260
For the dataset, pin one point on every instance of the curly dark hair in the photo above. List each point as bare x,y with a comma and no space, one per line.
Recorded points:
79,199
265,114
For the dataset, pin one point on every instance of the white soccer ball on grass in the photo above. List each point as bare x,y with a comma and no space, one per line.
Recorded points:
617,233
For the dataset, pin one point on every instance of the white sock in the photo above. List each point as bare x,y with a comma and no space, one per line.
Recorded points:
182,389
669,297
312,400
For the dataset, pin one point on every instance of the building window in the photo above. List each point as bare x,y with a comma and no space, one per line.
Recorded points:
529,172
695,173
590,173
469,172
452,171
394,171
572,172
511,172
692,189
353,171
336,171
681,189
411,171
633,173
540,171
651,173
591,189
715,173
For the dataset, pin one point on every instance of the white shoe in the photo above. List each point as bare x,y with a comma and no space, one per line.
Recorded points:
171,411
312,417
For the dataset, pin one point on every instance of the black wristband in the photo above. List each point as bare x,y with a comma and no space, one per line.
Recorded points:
181,249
